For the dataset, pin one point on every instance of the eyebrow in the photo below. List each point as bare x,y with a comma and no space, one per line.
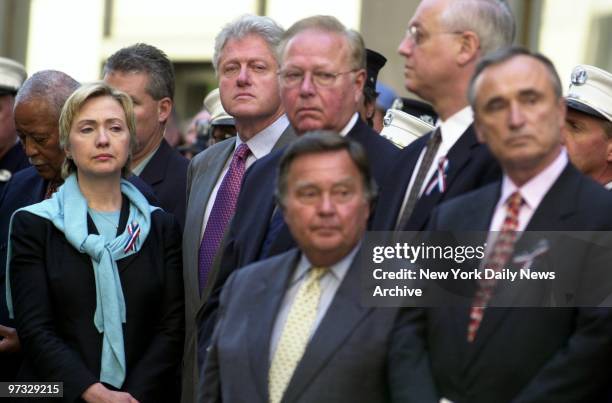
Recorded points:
94,121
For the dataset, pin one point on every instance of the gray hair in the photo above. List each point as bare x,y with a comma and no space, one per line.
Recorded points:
506,54
143,58
264,27
491,20
323,141
51,86
327,23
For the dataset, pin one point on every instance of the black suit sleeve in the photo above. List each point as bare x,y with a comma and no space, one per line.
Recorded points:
165,349
576,372
55,360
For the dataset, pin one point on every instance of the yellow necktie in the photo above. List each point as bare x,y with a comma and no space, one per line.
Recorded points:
295,334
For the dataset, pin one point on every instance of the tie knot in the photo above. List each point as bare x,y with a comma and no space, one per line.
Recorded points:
436,137
514,201
317,272
242,152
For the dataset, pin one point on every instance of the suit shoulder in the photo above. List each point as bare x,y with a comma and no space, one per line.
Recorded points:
25,221
203,157
263,168
267,267
24,178
461,202
163,219
169,154
594,195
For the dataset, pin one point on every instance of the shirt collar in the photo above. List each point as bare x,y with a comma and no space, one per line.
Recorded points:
338,270
453,127
143,164
349,125
536,188
262,143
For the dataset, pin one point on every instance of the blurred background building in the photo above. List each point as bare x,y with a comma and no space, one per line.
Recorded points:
76,36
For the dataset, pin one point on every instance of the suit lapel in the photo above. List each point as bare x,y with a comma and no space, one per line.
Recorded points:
285,138
556,207
342,316
269,292
559,203
155,171
123,263
201,189
388,208
458,156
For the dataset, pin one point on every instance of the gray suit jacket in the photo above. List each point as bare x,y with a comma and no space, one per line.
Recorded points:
202,175
357,353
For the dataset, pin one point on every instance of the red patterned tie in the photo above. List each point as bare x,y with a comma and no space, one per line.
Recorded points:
222,212
502,250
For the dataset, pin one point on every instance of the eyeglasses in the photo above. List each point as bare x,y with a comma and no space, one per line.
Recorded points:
418,36
295,77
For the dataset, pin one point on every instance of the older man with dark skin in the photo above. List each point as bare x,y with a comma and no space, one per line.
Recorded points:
321,84
488,349
38,105
444,41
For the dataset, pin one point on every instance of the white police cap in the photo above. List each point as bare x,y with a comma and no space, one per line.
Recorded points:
12,75
402,128
213,105
591,91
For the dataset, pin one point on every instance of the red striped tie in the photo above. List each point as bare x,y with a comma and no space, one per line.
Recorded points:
502,250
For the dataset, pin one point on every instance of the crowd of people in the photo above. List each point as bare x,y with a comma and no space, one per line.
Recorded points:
132,274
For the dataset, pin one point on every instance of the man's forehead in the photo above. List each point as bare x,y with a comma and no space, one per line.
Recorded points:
428,13
301,43
517,74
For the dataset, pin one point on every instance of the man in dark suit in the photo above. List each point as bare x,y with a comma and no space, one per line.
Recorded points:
443,43
147,76
292,327
38,106
321,79
247,65
481,353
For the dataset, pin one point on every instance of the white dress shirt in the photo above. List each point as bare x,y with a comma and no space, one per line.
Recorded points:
532,192
451,130
260,145
329,283
349,125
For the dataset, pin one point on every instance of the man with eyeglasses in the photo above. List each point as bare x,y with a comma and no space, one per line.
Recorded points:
321,83
246,65
444,42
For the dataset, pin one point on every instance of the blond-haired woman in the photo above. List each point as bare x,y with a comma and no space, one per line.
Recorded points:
95,271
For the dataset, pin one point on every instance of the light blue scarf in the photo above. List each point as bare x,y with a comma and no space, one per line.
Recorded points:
67,210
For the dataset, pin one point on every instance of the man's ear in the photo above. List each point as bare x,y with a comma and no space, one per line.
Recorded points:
360,78
609,151
164,109
478,129
469,48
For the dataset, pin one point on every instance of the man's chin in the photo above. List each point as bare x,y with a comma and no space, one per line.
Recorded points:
308,126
